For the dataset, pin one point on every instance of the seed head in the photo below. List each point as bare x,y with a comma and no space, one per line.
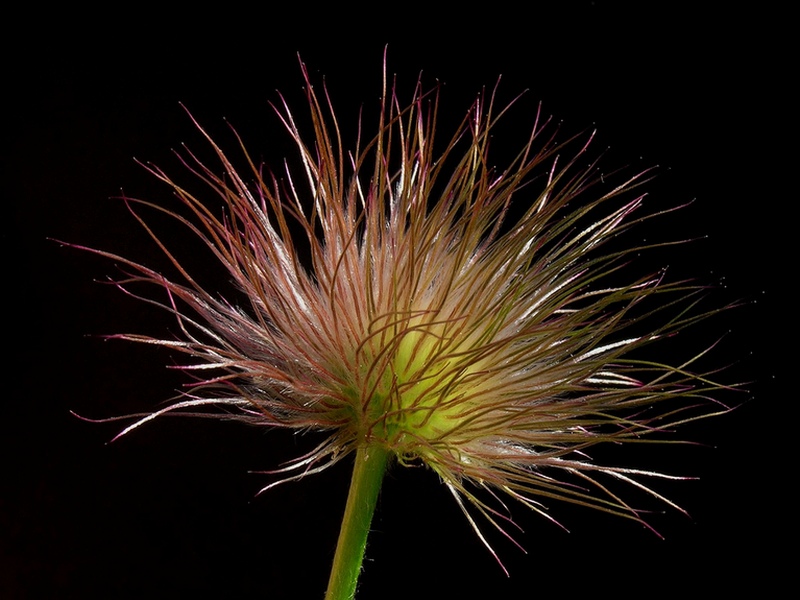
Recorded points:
463,316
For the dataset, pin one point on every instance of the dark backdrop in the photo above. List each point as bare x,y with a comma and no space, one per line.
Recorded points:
170,510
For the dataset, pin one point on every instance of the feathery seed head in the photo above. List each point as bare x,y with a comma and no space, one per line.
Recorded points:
454,313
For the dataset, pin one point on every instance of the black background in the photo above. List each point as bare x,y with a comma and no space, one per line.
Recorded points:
170,510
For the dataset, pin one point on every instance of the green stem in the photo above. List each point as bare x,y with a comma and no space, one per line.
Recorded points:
361,499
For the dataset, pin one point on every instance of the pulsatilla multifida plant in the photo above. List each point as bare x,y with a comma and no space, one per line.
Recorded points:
419,305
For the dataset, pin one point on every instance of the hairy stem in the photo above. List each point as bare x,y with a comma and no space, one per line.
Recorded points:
361,499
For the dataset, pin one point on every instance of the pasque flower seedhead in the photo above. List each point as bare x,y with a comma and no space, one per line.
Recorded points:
407,295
